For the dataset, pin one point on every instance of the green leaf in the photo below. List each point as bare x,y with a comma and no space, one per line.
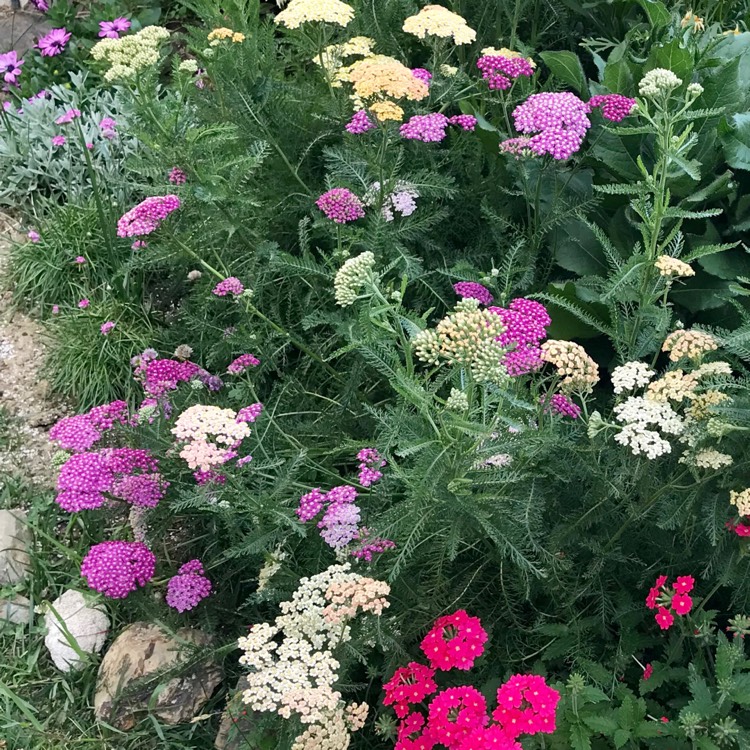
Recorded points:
672,56
580,738
703,700
657,12
701,292
731,264
567,67
600,723
621,738
740,692
734,135
578,250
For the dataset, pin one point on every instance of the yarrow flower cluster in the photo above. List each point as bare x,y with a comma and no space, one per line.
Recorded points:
432,128
81,431
457,717
241,363
159,376
473,290
435,20
210,436
689,344
562,405
615,107
469,337
401,200
644,420
631,375
177,176
351,277
146,217
578,371
231,285
341,205
370,463
293,669
86,479
189,587
115,569
669,266
306,11
128,55
526,322
658,82
669,601
500,71
383,78
332,57
558,118
217,36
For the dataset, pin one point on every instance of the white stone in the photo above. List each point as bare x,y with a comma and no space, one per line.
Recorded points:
16,610
71,619
15,542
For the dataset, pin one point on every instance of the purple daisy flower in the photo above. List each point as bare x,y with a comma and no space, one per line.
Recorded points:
54,43
10,67
113,29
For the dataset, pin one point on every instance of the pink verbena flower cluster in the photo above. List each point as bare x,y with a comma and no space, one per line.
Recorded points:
128,474
360,123
558,118
341,205
669,601
432,128
241,364
473,290
340,522
560,404
177,176
78,433
116,568
370,461
147,215
526,322
457,717
231,285
500,72
189,587
615,107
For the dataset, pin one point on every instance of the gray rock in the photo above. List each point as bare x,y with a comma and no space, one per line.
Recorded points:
16,610
15,542
239,727
143,660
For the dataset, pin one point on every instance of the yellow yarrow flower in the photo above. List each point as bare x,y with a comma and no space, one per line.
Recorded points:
333,56
305,11
435,20
217,35
382,75
129,54
387,110
448,70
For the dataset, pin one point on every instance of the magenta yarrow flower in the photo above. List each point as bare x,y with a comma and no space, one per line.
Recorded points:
189,587
422,74
341,205
161,375
177,176
147,215
465,122
360,123
249,413
427,128
473,290
83,304
106,328
116,569
113,29
52,44
69,116
367,546
500,72
562,405
615,107
526,322
231,285
34,236
558,118
10,67
58,140
370,463
242,363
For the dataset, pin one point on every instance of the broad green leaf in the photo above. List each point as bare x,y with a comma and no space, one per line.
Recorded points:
578,250
622,736
657,12
601,723
740,691
731,264
672,56
734,133
567,67
618,78
580,738
701,292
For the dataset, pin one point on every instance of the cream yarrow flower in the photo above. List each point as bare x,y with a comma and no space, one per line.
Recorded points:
630,376
741,500
306,11
672,386
457,401
702,403
351,277
218,35
435,20
130,54
712,459
669,266
579,371
333,56
658,82
690,344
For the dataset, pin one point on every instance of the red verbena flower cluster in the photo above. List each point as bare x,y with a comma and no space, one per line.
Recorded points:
669,601
457,717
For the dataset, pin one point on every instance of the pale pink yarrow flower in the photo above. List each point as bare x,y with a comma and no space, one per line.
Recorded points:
83,304
147,215
80,260
231,285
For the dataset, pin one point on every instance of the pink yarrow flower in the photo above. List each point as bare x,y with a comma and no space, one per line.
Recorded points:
429,128
341,205
562,405
370,461
473,290
116,569
113,29
147,215
53,43
360,123
189,587
177,176
231,285
422,74
500,72
249,413
615,107
242,363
